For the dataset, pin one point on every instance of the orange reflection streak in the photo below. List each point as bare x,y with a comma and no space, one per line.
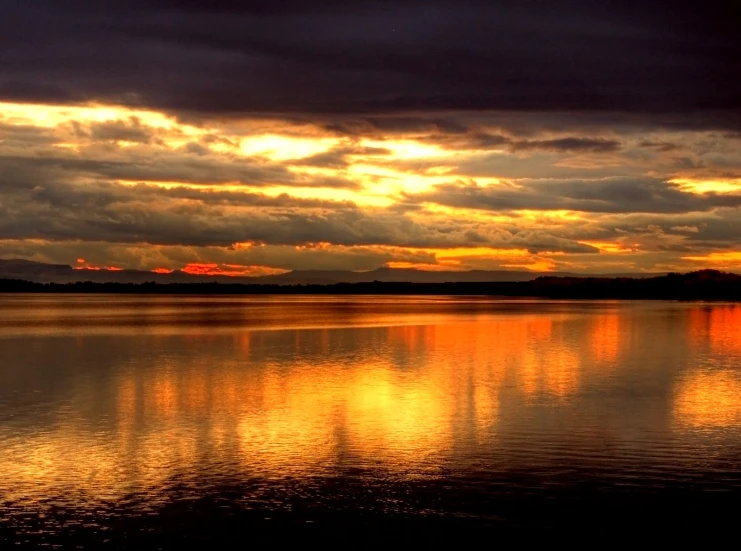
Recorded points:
718,327
161,394
555,372
605,339
242,342
162,271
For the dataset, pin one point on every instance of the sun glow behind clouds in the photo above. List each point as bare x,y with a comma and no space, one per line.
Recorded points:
407,149
281,148
726,259
54,115
709,186
609,247
390,190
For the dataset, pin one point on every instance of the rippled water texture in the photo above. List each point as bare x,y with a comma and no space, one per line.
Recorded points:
147,419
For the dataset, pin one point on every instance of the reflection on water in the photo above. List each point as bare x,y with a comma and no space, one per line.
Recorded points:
103,399
709,400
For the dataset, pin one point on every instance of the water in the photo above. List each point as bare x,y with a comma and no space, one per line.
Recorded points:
136,421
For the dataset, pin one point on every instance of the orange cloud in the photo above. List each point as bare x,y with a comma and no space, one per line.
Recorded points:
719,259
92,267
610,247
213,269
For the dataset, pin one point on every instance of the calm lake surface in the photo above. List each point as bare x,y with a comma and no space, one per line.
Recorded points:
155,420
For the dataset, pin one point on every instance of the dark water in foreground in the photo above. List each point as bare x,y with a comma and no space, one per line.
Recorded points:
137,421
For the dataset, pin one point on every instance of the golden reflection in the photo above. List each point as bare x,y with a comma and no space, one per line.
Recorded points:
709,400
296,402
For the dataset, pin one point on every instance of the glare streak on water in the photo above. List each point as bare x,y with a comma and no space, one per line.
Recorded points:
112,404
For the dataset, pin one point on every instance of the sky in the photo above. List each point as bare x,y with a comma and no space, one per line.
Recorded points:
253,138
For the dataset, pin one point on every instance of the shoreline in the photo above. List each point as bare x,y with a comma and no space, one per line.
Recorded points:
705,285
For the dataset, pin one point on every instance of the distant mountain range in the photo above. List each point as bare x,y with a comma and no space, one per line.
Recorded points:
62,273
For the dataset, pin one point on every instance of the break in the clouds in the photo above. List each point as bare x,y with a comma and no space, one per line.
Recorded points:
284,135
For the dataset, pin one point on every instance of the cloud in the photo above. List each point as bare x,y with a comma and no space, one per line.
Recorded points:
92,211
169,166
659,146
363,58
131,131
570,144
607,195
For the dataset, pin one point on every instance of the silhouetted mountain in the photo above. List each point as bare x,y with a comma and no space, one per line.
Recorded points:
29,269
61,273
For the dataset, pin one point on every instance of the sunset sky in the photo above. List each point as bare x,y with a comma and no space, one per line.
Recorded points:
253,138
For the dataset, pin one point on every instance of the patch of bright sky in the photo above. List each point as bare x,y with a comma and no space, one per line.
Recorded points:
54,115
281,148
408,149
387,181
609,247
733,257
709,186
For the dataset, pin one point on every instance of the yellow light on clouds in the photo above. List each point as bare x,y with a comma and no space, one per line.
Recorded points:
724,257
608,247
709,186
54,115
280,148
407,149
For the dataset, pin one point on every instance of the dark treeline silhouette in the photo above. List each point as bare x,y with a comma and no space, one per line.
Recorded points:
700,285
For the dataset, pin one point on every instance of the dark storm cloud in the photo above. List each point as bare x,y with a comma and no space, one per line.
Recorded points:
591,145
608,195
484,140
362,57
525,124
